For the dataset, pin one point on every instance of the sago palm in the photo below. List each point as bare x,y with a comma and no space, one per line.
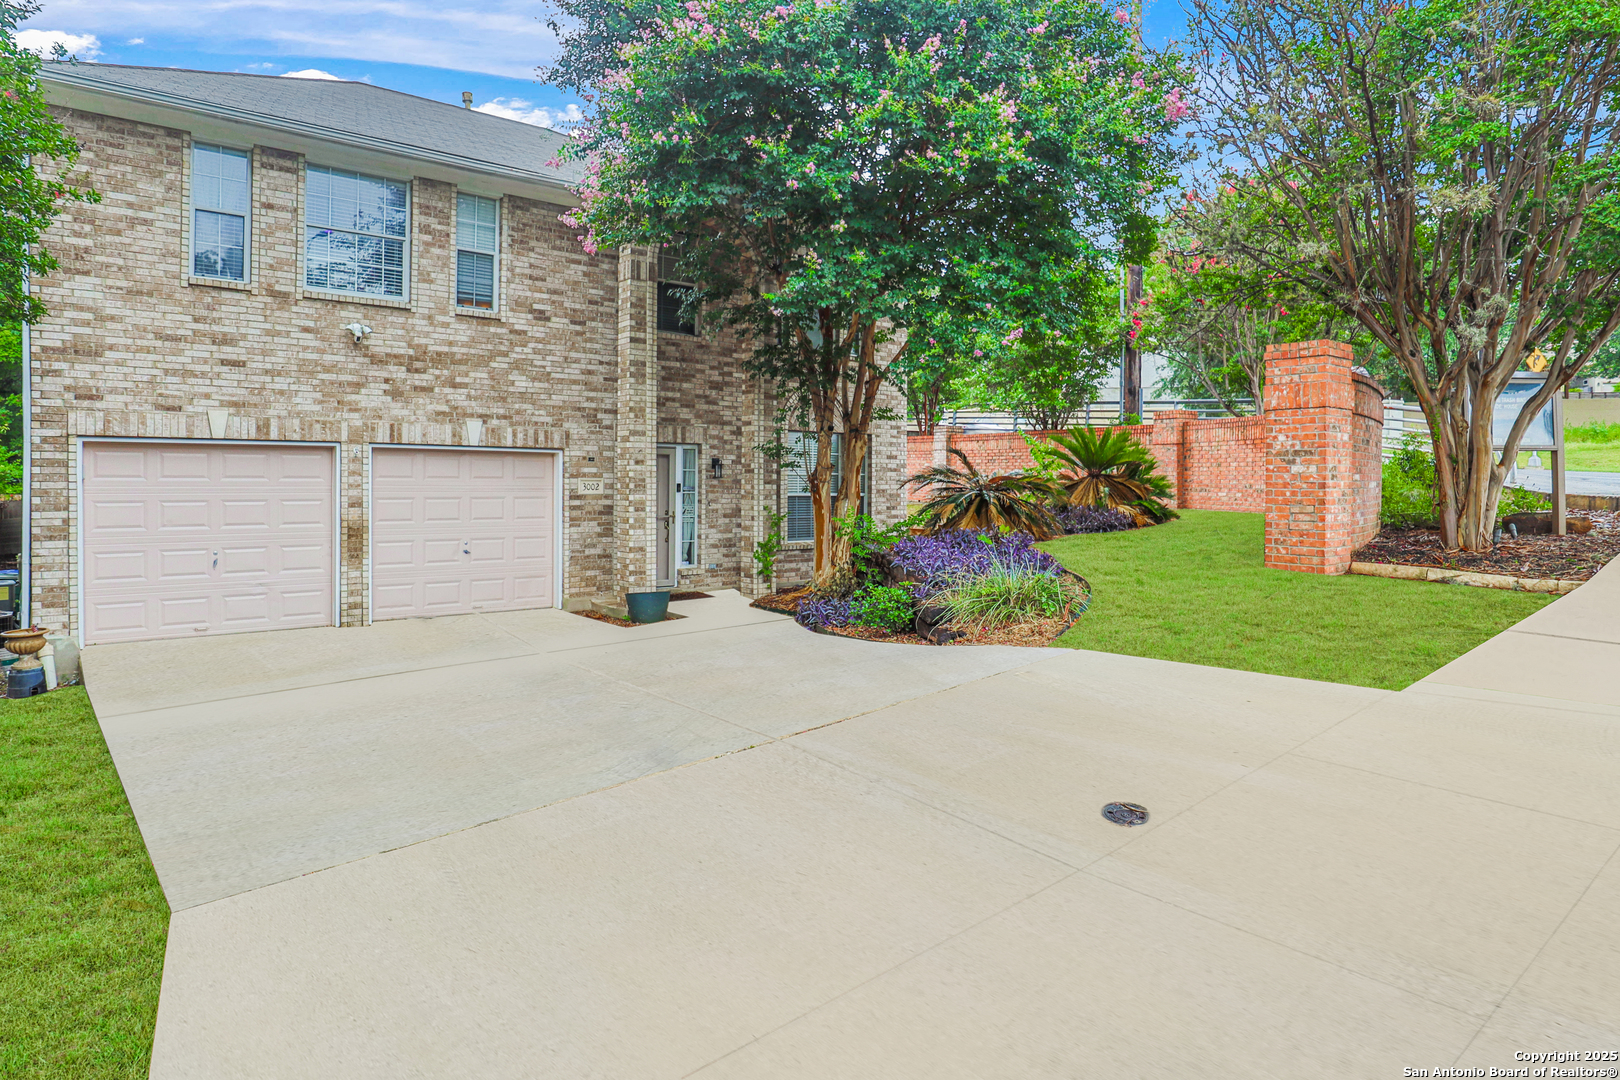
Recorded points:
965,498
1113,470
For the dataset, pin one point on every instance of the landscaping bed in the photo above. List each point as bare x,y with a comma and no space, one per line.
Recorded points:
1570,558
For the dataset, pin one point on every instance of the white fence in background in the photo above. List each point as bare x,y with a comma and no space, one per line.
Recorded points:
1400,419
1097,414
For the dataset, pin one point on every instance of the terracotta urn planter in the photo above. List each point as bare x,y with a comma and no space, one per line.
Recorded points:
25,643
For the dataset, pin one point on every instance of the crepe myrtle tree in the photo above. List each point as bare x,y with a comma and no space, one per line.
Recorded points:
36,156
833,173
1443,171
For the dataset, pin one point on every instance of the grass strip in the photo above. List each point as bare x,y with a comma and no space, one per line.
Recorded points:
1197,590
82,918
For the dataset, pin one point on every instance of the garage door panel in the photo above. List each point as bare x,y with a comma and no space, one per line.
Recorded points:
441,510
117,567
183,465
182,539
173,515
178,565
479,522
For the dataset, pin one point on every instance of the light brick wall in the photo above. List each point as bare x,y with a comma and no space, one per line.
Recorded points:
131,349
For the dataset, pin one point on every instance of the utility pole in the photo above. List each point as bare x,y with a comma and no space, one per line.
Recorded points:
1130,375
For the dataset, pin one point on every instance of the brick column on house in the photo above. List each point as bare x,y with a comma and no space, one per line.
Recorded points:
1169,448
1312,490
635,451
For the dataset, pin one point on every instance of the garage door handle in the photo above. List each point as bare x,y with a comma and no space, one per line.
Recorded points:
216,560
466,547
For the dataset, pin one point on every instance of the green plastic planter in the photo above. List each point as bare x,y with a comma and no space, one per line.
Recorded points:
648,607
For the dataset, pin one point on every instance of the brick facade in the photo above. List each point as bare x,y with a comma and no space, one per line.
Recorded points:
571,362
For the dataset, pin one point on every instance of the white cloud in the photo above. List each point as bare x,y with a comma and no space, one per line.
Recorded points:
530,113
492,37
311,73
136,41
44,42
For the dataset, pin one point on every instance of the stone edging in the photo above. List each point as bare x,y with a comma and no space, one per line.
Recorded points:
1556,586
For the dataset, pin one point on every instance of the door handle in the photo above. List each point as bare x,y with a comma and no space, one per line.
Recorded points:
466,547
216,560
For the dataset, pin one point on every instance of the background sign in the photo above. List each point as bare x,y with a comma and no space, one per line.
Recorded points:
1542,431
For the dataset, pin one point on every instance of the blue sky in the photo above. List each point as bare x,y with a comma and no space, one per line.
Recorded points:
435,50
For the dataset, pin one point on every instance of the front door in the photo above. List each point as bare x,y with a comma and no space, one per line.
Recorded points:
666,517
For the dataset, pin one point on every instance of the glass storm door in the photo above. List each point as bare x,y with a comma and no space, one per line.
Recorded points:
677,512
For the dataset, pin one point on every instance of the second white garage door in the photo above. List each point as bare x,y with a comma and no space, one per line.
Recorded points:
461,530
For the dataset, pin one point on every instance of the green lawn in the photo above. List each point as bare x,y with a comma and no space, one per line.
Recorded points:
1197,590
1583,457
82,919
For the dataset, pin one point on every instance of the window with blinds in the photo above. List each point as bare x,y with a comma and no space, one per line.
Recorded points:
356,232
220,195
477,245
797,465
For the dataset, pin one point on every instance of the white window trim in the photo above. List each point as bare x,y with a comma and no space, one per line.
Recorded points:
500,238
407,271
190,218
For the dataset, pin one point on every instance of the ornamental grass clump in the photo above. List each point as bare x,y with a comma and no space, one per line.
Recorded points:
1011,594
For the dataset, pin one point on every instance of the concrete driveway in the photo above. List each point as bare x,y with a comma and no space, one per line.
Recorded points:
533,845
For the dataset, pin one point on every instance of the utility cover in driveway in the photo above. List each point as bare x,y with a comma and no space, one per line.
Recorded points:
455,531
187,538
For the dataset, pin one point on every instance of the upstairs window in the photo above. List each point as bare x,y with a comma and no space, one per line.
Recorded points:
672,296
219,212
356,230
477,244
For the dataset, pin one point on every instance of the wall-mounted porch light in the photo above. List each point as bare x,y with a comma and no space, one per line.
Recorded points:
715,468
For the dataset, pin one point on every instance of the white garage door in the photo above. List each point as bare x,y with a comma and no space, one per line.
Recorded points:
187,538
461,530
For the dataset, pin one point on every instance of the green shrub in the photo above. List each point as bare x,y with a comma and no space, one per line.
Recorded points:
883,607
1520,501
1409,489
1007,595
1596,432
1409,486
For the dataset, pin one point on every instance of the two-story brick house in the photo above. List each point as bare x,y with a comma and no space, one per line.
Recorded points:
324,354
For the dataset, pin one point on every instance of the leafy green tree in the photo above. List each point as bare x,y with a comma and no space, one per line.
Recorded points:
1046,371
838,172
35,158
10,409
1446,173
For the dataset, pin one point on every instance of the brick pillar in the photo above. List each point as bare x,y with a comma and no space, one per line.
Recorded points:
635,447
1169,447
943,437
1311,490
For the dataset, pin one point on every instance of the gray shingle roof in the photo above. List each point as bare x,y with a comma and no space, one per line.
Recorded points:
356,109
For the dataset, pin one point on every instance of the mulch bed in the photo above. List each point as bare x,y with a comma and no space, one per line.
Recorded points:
1570,558
616,621
690,596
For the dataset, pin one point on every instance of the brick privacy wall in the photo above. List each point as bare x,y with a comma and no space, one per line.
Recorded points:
131,349
1214,464
1323,469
